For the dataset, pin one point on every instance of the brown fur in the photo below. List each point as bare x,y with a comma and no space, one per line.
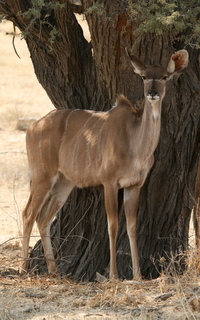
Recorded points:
123,101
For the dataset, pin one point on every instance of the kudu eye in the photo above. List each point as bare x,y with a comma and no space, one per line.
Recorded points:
143,78
165,78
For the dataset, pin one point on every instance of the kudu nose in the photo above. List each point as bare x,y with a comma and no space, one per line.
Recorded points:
152,93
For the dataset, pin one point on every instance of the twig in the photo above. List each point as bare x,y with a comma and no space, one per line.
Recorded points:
13,41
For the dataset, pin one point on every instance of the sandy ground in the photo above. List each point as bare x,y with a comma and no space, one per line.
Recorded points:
20,96
47,298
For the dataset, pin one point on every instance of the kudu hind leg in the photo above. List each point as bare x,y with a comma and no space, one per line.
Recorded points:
111,205
27,228
57,198
131,199
29,215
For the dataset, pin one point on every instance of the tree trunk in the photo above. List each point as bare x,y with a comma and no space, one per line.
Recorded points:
196,215
76,77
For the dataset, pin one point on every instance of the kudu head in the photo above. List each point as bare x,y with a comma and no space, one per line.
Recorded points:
155,78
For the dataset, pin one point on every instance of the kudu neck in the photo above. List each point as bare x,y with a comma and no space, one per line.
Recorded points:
149,129
152,110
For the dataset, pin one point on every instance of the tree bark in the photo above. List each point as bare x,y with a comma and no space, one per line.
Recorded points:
196,214
78,75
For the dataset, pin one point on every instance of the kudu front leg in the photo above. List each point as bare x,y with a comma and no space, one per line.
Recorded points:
111,205
131,199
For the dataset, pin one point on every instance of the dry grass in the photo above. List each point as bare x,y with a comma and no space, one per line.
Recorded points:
48,298
45,297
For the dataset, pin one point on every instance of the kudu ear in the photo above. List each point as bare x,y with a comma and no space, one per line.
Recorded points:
137,64
178,62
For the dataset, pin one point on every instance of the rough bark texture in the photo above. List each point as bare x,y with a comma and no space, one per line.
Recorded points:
75,78
196,214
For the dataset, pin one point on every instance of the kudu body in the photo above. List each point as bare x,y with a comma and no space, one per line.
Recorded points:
83,148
